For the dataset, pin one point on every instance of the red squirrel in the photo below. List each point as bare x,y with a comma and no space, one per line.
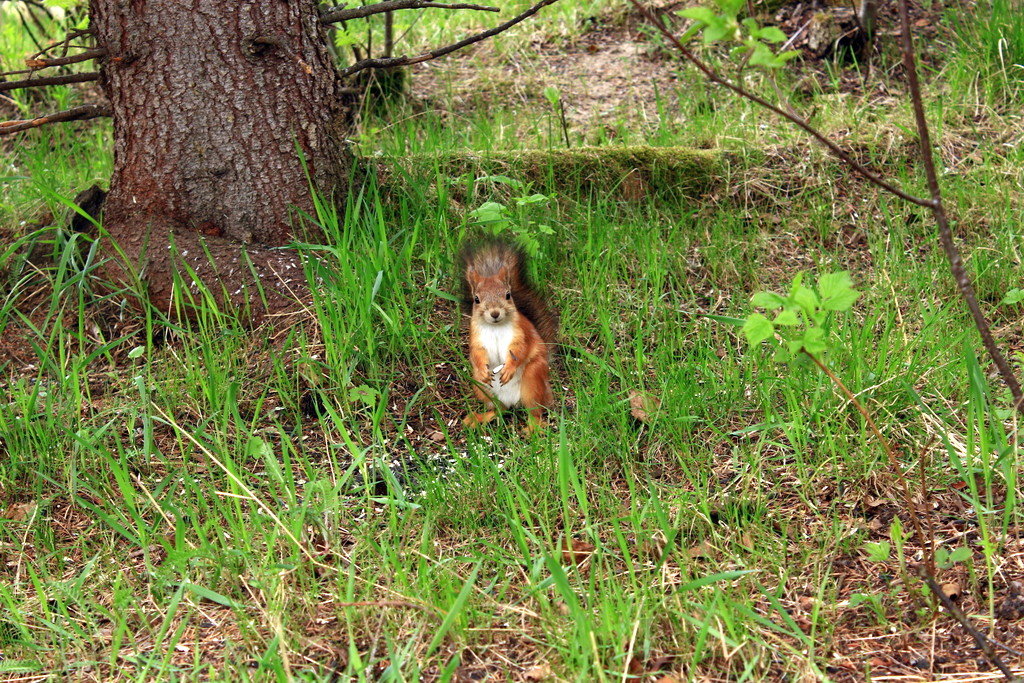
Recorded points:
511,333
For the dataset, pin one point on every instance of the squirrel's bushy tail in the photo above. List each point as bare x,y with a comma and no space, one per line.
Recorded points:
486,258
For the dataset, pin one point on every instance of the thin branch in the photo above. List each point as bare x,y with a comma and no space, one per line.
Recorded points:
343,14
979,637
89,111
440,52
800,122
956,264
65,43
49,80
890,453
93,53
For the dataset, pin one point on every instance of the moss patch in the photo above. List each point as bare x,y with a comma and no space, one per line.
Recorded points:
629,173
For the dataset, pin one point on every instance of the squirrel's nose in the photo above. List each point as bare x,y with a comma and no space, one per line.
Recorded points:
495,314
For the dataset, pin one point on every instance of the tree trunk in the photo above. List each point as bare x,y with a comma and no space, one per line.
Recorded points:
211,101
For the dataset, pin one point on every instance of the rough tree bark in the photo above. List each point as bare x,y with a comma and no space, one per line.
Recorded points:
210,101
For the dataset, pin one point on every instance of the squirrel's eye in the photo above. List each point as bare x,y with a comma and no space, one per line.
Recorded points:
508,295
476,299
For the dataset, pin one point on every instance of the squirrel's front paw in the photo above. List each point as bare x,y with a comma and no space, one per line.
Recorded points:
507,374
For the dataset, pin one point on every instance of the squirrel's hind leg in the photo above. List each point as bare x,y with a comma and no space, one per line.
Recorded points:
536,394
476,419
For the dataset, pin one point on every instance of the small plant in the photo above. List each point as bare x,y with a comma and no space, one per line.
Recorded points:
514,216
804,315
752,40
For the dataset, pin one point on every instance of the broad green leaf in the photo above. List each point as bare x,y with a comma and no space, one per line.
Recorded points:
1013,297
831,284
731,7
814,340
757,328
841,302
552,94
703,14
961,554
760,54
805,298
772,34
715,32
769,300
787,317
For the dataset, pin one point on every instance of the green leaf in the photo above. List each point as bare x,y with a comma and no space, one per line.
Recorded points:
490,212
738,322
258,448
715,32
787,317
784,57
805,298
136,352
532,199
831,284
814,341
703,14
878,552
772,34
769,300
961,554
212,596
364,394
553,95
1013,297
731,7
757,328
761,55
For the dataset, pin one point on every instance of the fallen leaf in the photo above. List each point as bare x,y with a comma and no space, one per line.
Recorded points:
435,435
575,551
19,512
641,405
539,672
702,549
669,678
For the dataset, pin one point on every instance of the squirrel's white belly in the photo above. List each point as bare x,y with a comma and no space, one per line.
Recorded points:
496,339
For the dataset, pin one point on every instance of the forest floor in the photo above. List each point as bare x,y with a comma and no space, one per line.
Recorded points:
214,503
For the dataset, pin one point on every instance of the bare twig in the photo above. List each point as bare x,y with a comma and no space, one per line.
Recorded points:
345,14
956,264
440,52
799,121
93,53
89,111
63,44
979,637
890,452
49,80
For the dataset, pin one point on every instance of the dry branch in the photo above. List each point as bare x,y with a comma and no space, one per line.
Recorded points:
800,122
63,44
94,53
956,263
49,80
344,14
388,63
89,111
957,614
